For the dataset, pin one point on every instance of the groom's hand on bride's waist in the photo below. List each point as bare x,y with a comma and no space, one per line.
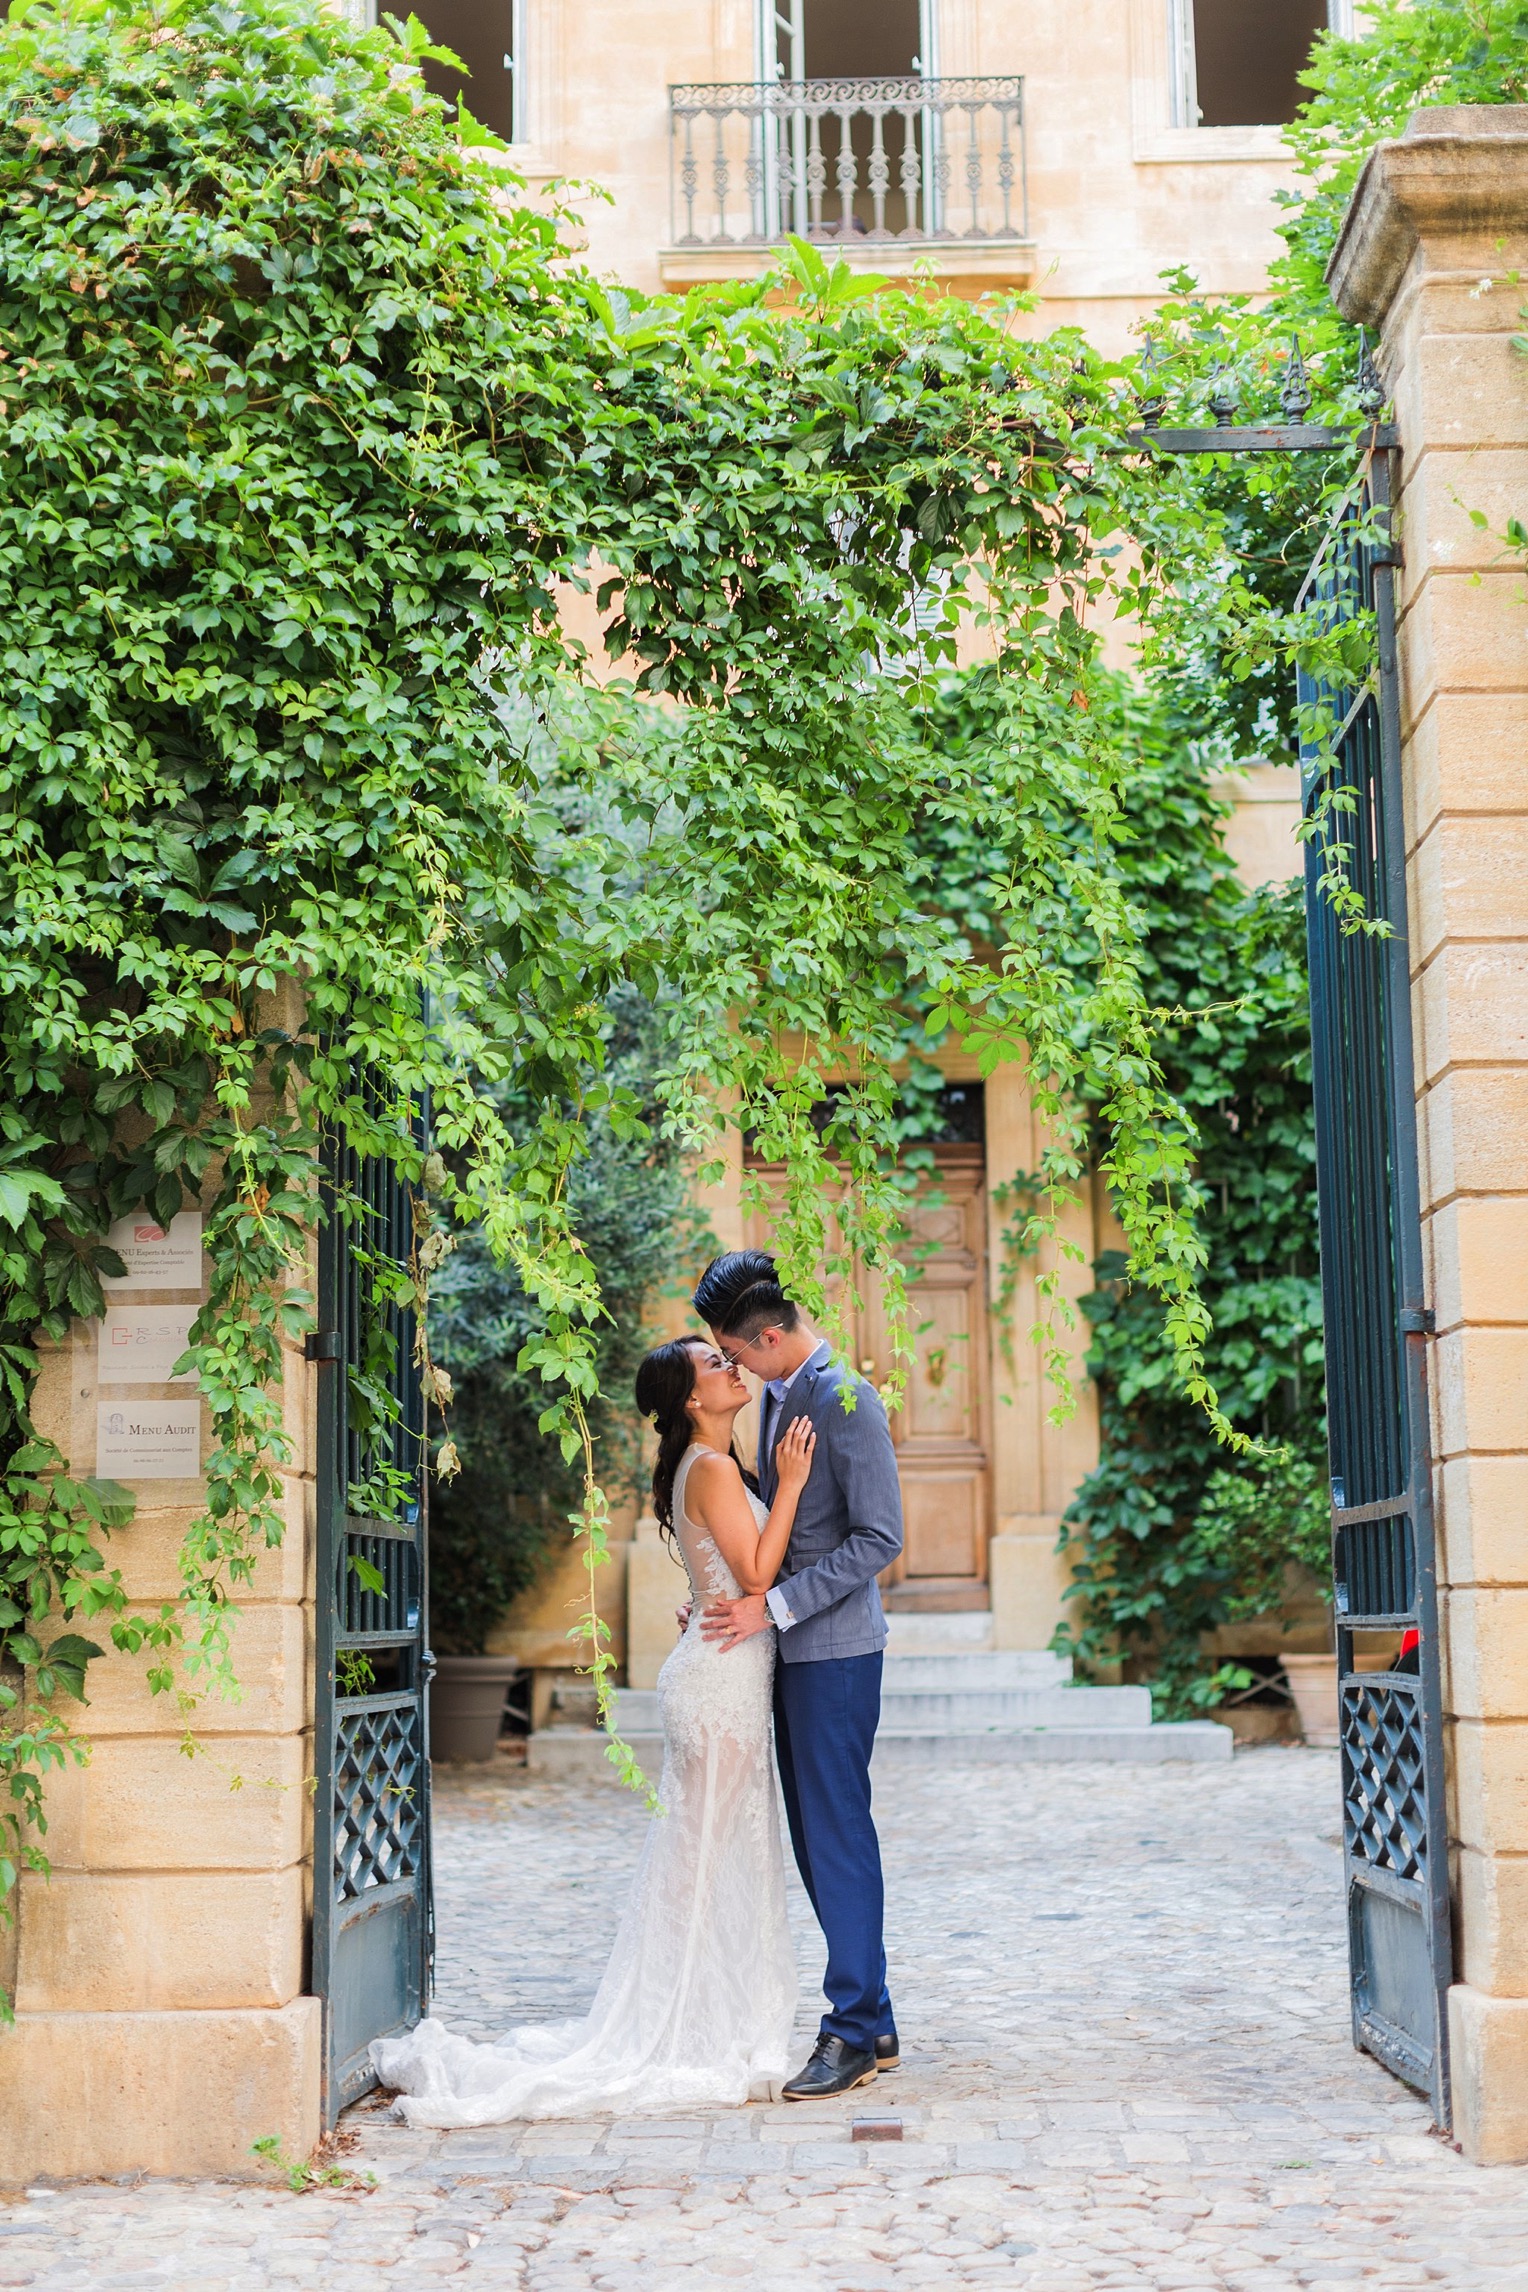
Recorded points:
729,1621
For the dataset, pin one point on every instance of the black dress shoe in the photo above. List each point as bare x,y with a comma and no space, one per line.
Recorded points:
888,2052
835,2067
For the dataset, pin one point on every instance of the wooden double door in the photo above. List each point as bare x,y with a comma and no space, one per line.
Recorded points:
941,1431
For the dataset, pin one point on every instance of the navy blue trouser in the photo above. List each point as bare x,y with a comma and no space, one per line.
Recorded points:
825,1721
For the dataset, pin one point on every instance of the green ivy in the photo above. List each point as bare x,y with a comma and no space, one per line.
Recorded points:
1168,1543
498,1525
306,428
1167,1540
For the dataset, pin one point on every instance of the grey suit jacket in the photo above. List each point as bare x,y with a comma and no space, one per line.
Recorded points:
849,1521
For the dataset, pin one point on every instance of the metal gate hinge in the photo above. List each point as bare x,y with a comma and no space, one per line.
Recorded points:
321,1345
1419,1321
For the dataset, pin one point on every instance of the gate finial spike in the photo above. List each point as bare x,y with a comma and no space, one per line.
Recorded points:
1371,390
1223,398
1294,397
1153,403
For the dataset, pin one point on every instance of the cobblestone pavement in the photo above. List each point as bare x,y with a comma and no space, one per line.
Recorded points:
1126,2063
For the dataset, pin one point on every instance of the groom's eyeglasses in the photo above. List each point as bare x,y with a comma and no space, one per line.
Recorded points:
742,1345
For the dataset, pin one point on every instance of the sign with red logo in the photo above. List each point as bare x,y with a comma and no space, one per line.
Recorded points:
157,1257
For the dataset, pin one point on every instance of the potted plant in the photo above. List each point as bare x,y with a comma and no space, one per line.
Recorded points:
490,1538
497,1526
1266,1526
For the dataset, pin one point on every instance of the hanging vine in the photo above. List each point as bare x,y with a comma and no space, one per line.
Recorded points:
308,432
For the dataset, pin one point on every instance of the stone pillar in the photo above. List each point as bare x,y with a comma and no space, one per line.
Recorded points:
1036,1465
1439,219
162,2022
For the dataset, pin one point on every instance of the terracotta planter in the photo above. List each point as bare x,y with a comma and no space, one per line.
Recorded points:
467,1704
1258,1722
1313,1684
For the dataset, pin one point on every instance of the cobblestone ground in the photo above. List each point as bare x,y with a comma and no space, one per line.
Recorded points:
1126,2063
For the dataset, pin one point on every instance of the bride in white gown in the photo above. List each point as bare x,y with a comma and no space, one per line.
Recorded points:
697,2001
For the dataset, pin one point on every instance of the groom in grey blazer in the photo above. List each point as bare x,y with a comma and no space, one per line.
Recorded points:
826,1606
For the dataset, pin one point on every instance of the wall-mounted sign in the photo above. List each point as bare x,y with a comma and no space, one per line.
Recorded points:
149,1440
157,1257
140,1344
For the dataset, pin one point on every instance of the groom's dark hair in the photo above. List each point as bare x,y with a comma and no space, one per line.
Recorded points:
739,1294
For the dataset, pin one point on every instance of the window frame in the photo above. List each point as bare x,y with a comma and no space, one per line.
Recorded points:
1182,96
363,14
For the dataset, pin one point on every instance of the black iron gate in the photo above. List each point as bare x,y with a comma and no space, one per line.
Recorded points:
371,1864
1395,1841
1395,1835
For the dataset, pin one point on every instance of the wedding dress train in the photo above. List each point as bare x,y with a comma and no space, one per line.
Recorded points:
697,2001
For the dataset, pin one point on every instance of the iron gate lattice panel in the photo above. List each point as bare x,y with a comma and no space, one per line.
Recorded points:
1384,1568
372,1925
378,1795
1385,1777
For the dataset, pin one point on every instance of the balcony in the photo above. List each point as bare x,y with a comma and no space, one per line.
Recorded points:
890,174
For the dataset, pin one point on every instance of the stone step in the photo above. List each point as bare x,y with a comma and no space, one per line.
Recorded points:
957,1634
962,1708
1193,1740
978,1668
958,1709
947,1696
936,1595
568,1754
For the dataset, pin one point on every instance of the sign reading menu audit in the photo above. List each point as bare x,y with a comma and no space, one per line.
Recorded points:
149,1440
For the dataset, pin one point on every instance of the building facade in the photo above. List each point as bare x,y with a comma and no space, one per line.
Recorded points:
1076,149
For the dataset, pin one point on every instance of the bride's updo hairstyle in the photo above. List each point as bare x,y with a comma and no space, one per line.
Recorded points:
665,1381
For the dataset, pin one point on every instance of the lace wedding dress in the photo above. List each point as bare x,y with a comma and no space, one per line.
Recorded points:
697,2001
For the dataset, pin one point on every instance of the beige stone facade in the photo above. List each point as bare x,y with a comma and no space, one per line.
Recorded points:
1120,188
164,2019
162,2023
1431,251
1120,185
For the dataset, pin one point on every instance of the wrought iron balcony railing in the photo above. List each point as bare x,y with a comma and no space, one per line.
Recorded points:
848,160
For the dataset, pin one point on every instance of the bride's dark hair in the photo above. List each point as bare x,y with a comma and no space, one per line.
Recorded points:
665,1381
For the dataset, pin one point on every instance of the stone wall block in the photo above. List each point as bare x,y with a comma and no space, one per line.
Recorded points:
53,1397
1464,631
1465,755
1028,1578
299,1410
1469,882
535,1628
1437,531
1480,1255
91,2095
1470,296
157,1940
1474,1006
1490,1776
147,1551
271,1655
656,1583
1488,2043
1480,1378
142,1804
1475,1123
1487,1630
1491,1898
1484,1520
1462,390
